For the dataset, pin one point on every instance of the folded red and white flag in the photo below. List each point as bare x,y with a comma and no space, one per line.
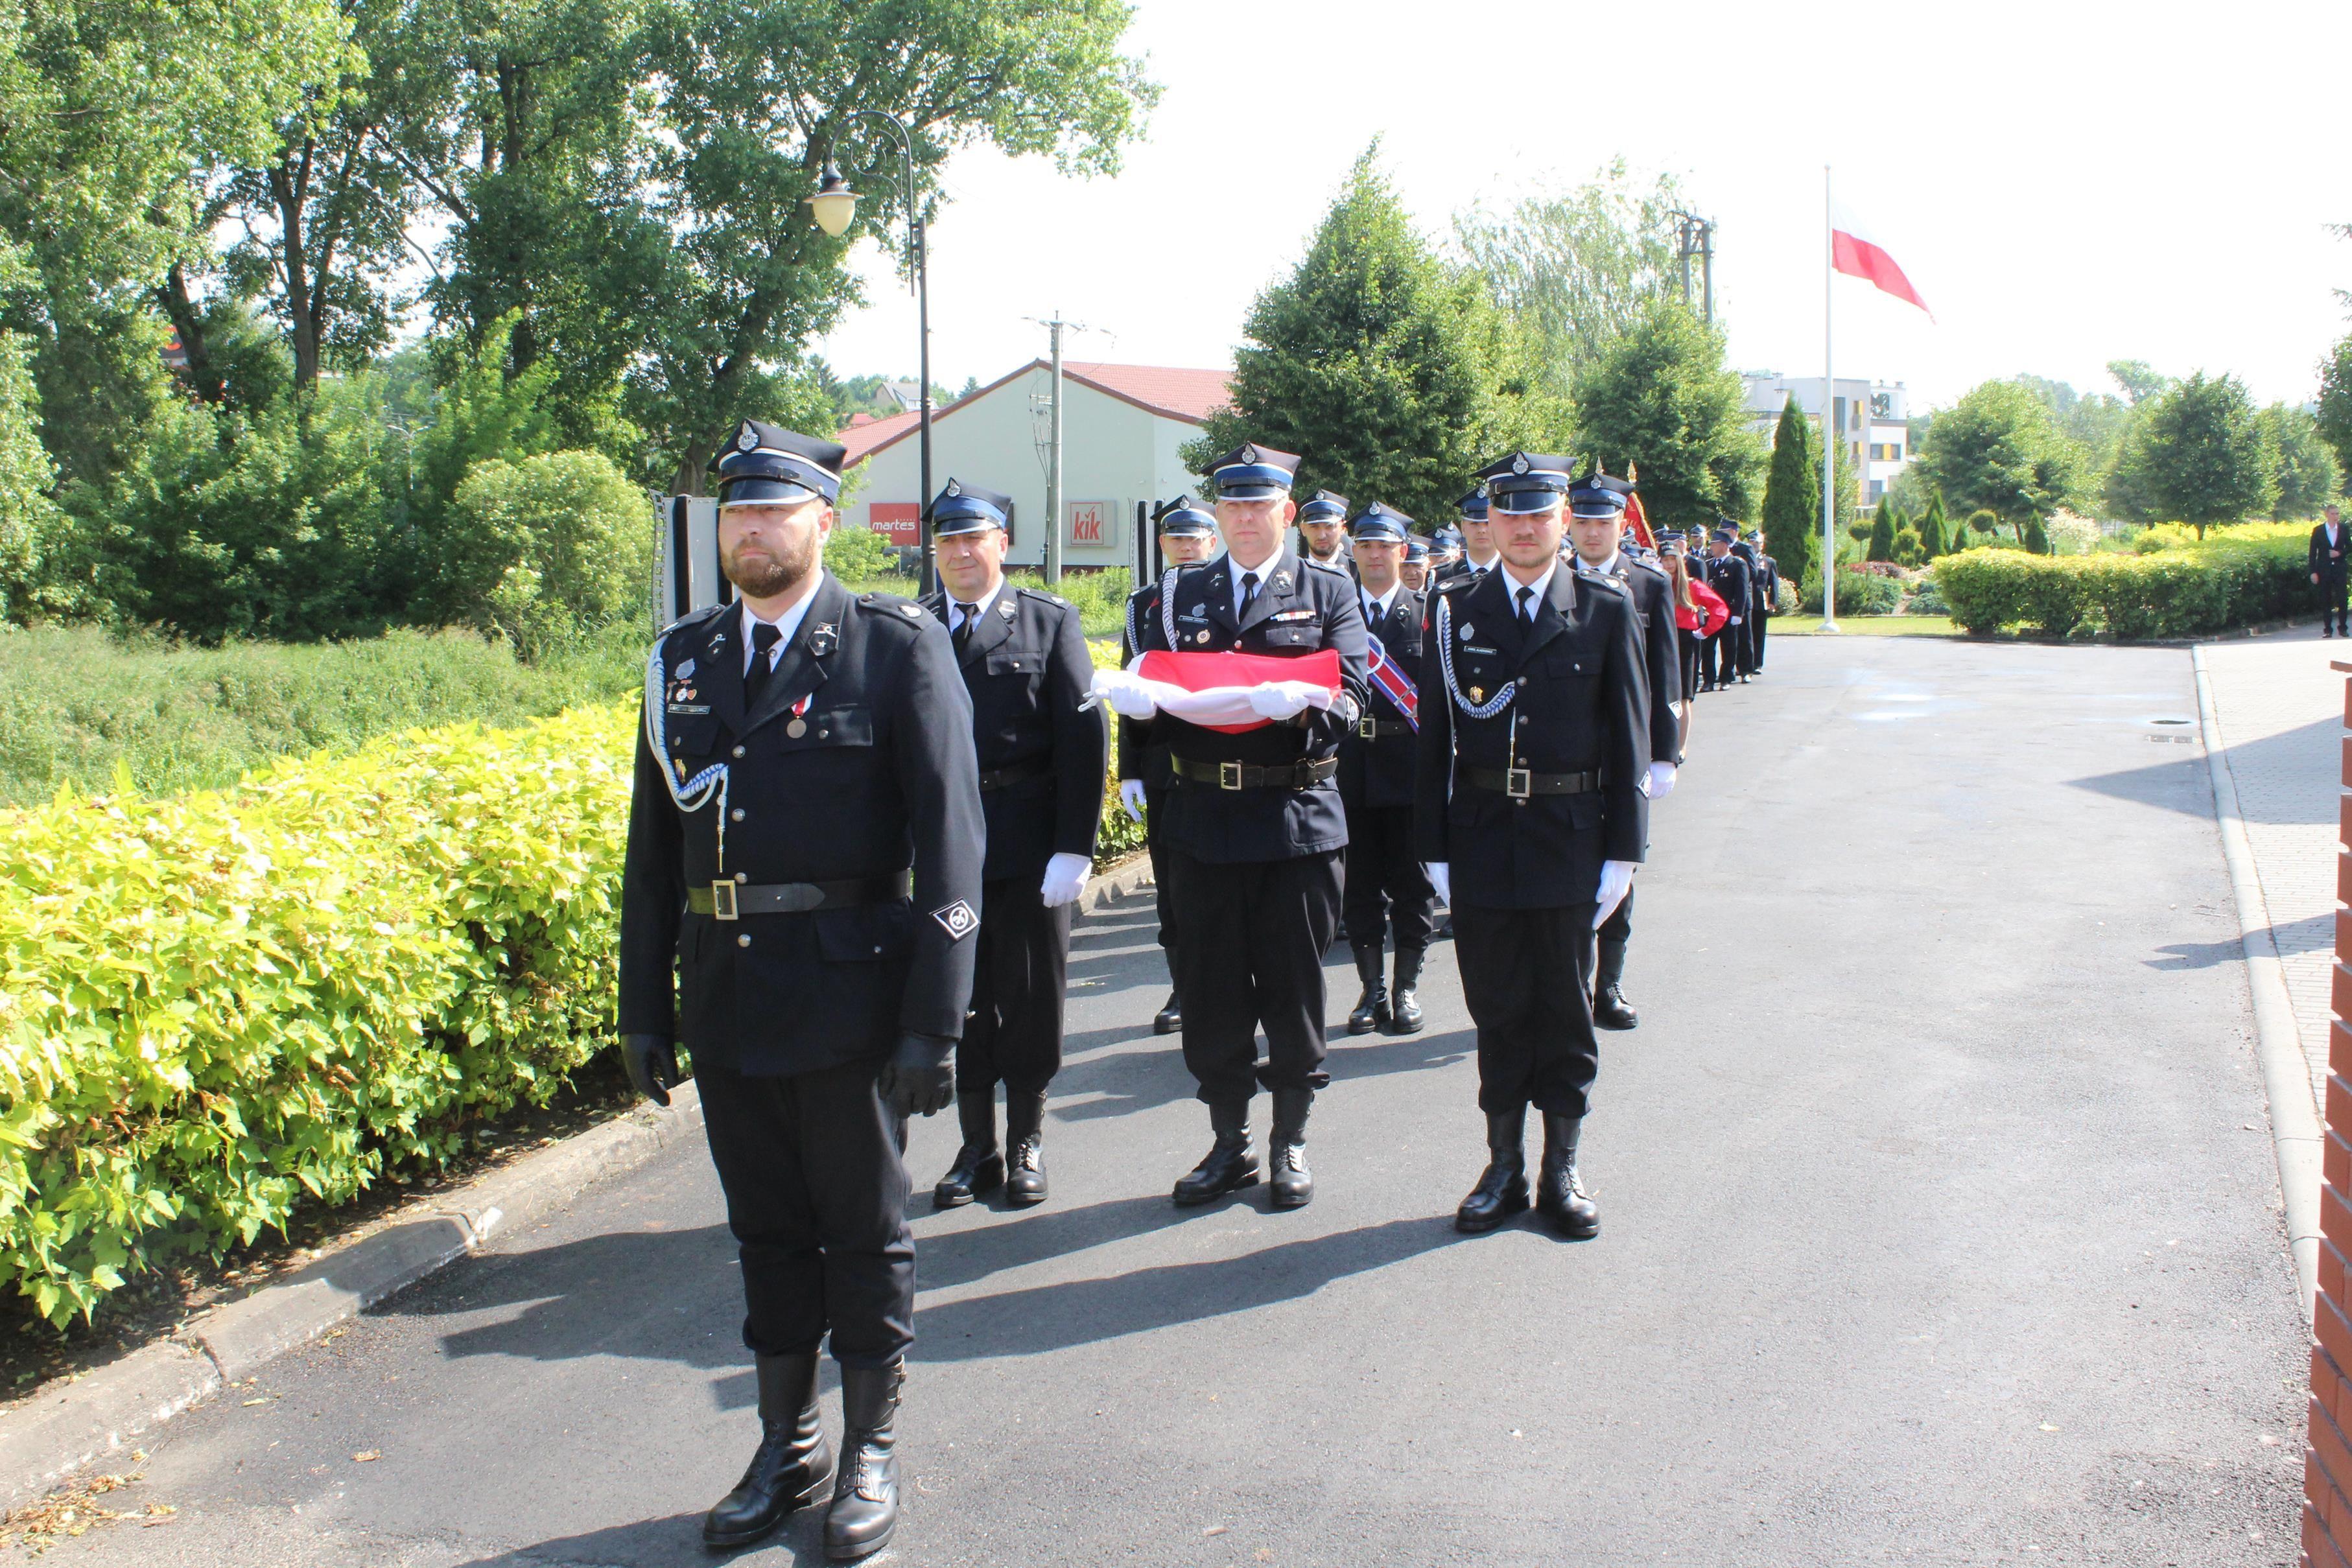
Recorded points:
1853,252
1213,689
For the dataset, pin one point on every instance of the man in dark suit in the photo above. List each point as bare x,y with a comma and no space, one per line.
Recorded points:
1766,573
1528,805
1254,829
1596,526
804,859
2328,563
1385,883
1323,532
1187,534
1724,658
1475,525
1040,758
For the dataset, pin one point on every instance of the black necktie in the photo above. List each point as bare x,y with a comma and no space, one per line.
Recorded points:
755,679
1249,592
1526,609
970,613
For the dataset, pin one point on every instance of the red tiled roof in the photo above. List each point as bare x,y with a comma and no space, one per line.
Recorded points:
1186,395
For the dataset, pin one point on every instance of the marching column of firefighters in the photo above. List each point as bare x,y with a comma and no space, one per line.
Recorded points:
861,824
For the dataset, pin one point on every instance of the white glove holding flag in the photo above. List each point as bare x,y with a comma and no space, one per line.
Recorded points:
1133,697
1616,882
1661,782
1130,795
1441,877
1278,700
1129,696
1066,878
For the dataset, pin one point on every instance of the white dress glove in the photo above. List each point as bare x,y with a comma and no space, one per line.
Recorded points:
1066,878
1441,877
1130,795
1129,695
1278,700
1616,882
1735,620
1661,780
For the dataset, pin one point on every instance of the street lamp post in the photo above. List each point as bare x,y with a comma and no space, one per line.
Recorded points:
833,206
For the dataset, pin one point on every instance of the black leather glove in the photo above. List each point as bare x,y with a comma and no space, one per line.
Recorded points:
653,1065
918,1079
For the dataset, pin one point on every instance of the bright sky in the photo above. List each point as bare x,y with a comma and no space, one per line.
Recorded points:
2068,183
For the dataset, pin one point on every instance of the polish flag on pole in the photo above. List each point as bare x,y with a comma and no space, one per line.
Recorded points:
1853,252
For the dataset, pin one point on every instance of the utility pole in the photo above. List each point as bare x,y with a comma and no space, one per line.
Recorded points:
1054,473
1694,236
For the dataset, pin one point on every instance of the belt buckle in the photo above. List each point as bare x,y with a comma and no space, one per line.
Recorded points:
1518,783
723,900
1229,775
1367,727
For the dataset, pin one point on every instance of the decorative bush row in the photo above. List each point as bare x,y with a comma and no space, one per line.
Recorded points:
217,1006
2182,588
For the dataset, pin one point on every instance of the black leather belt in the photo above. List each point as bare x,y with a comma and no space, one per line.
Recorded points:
733,900
1371,728
1518,783
1249,776
1018,773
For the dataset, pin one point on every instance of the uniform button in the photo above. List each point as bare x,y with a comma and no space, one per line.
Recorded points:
878,949
822,733
739,751
744,940
742,876
736,815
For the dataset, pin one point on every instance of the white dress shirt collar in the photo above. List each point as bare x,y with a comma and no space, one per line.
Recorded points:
980,607
786,625
1542,587
1264,569
1382,603
1606,568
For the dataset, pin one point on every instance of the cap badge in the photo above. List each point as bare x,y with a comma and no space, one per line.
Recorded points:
747,438
1520,463
955,488
1248,453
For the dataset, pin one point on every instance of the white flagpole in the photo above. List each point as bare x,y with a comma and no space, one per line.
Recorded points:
1829,432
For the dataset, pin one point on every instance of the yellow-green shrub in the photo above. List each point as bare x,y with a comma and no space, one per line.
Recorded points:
2174,586
211,1007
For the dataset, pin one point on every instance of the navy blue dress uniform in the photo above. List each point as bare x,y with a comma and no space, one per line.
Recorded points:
1766,572
1252,844
800,898
1326,507
1600,496
1534,745
2330,566
1145,760
1386,884
1473,508
1724,658
1040,758
1751,646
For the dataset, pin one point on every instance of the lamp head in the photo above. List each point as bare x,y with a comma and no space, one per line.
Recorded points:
835,203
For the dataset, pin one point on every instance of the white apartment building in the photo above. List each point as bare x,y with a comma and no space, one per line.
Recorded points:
1873,417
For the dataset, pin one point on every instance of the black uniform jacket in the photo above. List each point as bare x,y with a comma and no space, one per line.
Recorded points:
1768,585
880,778
1729,579
1300,609
2330,559
1041,760
1379,771
1654,601
1582,705
1140,755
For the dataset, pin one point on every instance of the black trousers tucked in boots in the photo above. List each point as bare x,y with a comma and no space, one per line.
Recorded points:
817,1195
1385,880
1535,1044
1021,969
1249,940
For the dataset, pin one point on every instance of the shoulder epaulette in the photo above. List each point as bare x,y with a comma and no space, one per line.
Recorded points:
694,618
1610,583
1042,596
1452,584
1323,566
891,607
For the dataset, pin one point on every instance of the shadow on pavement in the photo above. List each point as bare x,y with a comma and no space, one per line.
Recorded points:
2176,786
2313,933
663,1543
1082,1311
949,1257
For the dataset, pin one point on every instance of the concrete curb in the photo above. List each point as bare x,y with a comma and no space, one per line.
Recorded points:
2278,1044
105,1411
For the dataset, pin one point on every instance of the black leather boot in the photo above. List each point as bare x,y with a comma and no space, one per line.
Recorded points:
793,1467
1293,1182
1230,1164
1172,1016
1609,1008
1371,1010
1560,1193
978,1168
1024,1140
865,1498
1404,1002
1502,1189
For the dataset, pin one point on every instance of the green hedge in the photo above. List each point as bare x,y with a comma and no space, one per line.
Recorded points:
2180,588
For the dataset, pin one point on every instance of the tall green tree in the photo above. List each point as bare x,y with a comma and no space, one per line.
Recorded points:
753,101
1387,370
1575,271
2308,478
2198,455
2139,382
1792,496
2335,412
1883,523
1661,396
1935,530
2000,449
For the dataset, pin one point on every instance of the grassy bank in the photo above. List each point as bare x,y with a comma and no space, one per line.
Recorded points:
1866,626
